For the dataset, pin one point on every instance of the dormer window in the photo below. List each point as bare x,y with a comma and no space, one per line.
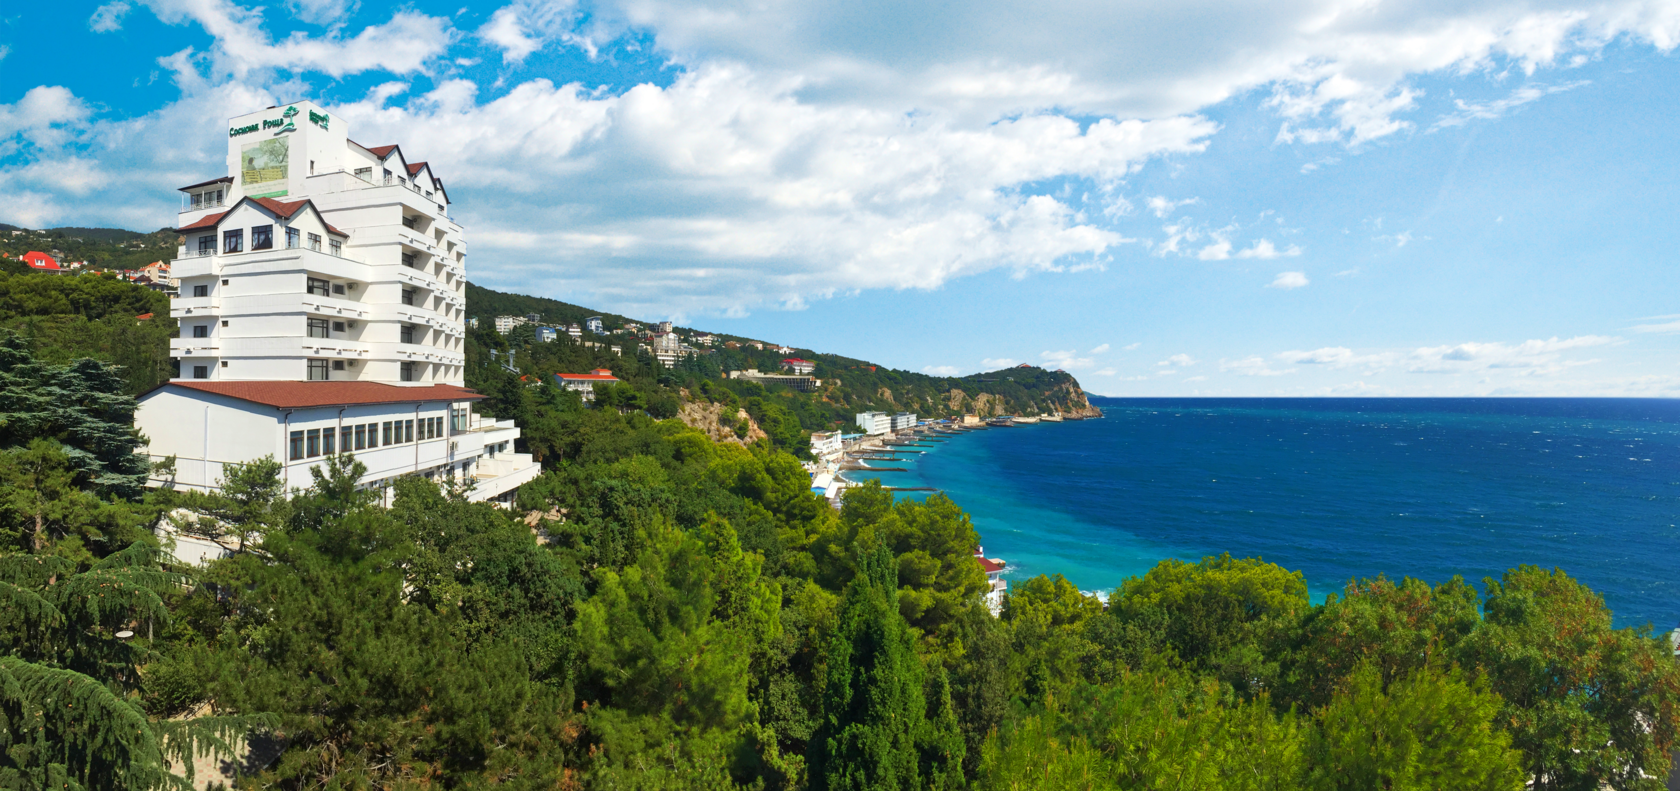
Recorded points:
293,238
233,241
262,237
335,247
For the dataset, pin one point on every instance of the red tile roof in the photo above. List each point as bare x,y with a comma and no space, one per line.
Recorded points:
207,221
37,260
299,395
280,209
143,317
222,180
381,151
415,168
989,565
586,377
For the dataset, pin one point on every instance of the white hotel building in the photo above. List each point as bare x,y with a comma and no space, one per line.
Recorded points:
322,310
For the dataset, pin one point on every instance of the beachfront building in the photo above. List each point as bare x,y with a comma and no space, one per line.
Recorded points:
875,423
584,384
667,347
903,420
826,445
798,366
322,311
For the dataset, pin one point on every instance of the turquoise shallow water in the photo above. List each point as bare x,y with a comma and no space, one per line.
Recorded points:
1336,488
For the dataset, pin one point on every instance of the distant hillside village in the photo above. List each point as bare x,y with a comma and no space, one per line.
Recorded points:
116,252
667,344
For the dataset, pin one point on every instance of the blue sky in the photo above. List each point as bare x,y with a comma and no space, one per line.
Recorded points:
1206,198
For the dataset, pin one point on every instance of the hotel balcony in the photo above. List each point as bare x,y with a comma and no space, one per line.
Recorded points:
194,347
189,307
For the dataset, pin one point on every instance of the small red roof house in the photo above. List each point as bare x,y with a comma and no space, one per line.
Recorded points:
584,384
143,317
1024,365
799,366
41,261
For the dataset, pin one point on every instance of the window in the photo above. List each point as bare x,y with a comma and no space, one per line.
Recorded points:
262,237
387,177
297,445
201,330
365,174
344,440
338,326
338,288
327,442
408,431
407,372
312,443
408,260
336,247
201,291
361,438
315,242
408,296
409,222
224,322
224,363
318,287
317,370
408,335
224,281
372,435
294,237
318,328
206,245
201,372
458,418
385,433
233,241
338,365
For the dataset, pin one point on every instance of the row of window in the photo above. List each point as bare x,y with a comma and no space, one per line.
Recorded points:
320,370
262,238
314,442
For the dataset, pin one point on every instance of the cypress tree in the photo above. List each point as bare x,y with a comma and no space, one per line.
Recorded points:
876,730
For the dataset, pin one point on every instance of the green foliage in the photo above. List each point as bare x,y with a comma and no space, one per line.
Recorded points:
1585,703
1427,730
82,407
880,730
1217,615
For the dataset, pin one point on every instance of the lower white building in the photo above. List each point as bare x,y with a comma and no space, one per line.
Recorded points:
392,430
826,444
875,423
903,420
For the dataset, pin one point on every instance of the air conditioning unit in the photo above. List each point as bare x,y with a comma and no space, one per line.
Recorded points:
351,363
351,286
350,324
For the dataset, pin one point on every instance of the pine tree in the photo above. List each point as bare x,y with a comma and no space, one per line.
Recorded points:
81,406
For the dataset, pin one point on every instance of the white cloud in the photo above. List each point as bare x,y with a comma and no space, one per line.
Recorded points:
1264,250
1218,251
1251,366
1533,357
1099,349
994,363
1067,360
1163,206
1671,325
1289,281
108,17
941,370
1178,361
1195,379
1105,372
243,48
1469,111
1131,346
524,27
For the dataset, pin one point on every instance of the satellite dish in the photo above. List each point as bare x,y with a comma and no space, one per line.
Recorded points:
125,634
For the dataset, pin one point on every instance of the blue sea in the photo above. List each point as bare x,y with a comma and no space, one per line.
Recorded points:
1335,488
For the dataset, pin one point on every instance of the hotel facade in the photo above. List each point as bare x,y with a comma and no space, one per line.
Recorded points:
322,310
